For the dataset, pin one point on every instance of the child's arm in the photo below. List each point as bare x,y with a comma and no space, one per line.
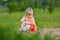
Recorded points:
23,20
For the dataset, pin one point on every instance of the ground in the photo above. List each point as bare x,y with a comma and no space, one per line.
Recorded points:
53,31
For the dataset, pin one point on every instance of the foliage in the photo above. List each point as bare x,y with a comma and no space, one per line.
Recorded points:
21,5
49,36
7,34
51,6
13,6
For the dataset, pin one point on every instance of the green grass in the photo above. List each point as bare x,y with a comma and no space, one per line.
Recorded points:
48,20
45,20
8,34
9,23
48,36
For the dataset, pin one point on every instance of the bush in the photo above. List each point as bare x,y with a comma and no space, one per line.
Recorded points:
51,6
20,6
13,7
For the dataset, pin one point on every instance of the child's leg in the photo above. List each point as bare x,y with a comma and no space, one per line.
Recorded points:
27,27
21,28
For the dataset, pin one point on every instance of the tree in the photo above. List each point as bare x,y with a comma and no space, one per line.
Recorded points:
12,6
51,6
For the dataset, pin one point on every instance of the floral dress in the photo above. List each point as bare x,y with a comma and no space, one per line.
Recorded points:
30,26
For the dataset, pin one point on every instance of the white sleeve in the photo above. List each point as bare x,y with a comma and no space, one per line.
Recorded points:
22,20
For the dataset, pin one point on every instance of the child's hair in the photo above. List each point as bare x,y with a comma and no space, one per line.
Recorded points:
29,9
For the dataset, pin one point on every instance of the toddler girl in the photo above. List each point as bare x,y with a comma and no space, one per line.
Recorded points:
28,22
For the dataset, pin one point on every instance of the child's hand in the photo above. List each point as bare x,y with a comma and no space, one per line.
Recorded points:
27,22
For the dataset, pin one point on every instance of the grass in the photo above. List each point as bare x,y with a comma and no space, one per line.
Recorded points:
9,23
48,36
45,20
48,20
9,34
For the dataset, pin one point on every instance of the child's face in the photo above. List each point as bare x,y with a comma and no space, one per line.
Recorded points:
29,14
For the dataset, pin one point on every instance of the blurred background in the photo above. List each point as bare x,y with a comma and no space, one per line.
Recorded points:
21,5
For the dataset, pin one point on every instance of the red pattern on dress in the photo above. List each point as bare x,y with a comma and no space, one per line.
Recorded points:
32,26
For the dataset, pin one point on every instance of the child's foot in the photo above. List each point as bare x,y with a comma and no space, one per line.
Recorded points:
25,31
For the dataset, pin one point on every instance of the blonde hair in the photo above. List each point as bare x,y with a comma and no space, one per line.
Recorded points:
29,9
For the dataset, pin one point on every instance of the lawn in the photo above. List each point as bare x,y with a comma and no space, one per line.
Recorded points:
9,23
45,20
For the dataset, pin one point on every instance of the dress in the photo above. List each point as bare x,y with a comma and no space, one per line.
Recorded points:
30,26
